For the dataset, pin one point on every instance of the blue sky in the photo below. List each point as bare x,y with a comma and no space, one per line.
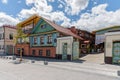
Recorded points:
84,14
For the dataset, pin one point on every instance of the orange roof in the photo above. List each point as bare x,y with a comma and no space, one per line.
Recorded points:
29,20
62,29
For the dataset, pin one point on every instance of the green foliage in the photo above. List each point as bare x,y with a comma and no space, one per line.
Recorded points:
20,33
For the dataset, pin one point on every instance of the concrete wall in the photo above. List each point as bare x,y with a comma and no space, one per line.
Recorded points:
8,42
60,41
8,31
109,42
110,38
2,40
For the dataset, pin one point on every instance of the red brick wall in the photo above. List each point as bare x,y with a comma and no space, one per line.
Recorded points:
26,48
52,50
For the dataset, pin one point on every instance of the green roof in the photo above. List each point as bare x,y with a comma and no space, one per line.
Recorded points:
107,28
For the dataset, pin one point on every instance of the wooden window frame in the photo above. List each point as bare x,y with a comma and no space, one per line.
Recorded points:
48,52
35,40
41,39
40,52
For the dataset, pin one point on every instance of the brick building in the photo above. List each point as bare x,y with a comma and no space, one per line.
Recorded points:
7,33
47,39
88,42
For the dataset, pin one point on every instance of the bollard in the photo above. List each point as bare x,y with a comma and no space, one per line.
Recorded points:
14,58
6,57
45,62
32,61
118,72
9,57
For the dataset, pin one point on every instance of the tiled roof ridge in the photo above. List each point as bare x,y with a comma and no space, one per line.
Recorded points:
9,26
62,29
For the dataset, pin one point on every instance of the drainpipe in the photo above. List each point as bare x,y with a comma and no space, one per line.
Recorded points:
4,38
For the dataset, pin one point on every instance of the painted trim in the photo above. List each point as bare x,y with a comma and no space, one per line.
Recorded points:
107,28
43,33
112,33
38,24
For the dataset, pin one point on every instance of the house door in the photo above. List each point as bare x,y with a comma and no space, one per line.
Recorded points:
22,51
116,52
64,55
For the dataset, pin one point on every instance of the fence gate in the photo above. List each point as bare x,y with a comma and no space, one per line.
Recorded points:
75,50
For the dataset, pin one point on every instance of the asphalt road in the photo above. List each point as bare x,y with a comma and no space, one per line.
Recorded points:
28,71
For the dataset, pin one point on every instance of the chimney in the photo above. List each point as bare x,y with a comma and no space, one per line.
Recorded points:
73,29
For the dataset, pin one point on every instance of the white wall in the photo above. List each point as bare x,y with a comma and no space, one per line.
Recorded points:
2,40
60,41
110,37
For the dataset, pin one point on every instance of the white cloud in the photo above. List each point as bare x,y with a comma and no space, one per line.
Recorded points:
6,19
75,6
40,7
19,1
28,2
25,13
94,2
99,18
51,0
4,1
60,6
43,9
60,16
95,19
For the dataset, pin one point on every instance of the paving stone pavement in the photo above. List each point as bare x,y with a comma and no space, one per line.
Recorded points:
56,70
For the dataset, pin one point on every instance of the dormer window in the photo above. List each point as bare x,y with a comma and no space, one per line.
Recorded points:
43,26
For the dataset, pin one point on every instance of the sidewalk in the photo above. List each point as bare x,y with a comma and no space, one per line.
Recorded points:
98,68
103,69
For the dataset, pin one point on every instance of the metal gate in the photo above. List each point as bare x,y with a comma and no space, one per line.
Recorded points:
75,50
64,55
116,52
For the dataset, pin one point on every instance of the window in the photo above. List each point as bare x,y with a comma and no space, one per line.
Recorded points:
83,46
40,52
2,47
41,40
55,40
35,40
33,52
48,53
43,26
49,39
11,36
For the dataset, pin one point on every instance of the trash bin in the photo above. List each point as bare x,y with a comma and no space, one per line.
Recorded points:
45,62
